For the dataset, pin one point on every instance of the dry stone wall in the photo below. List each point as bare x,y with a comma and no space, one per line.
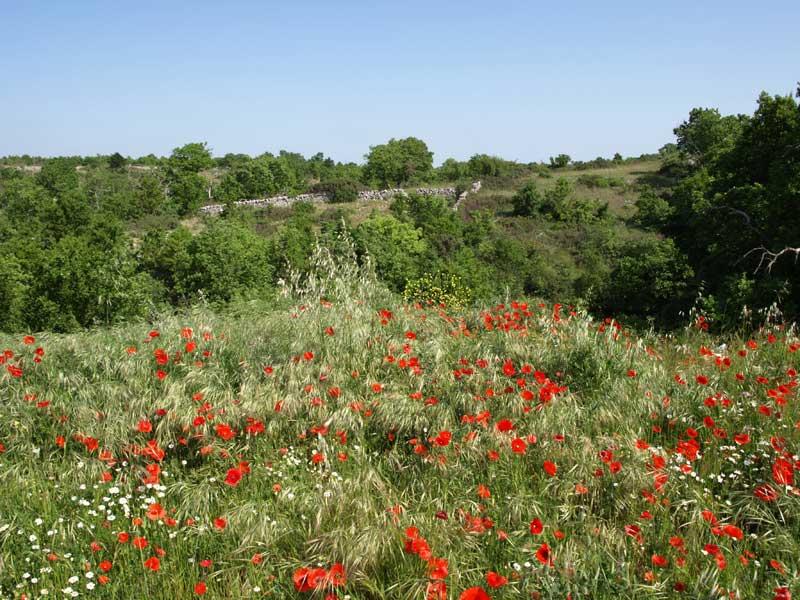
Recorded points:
363,196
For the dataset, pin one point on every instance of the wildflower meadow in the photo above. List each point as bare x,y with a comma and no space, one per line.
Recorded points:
342,444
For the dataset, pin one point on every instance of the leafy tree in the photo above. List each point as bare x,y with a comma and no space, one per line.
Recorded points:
167,258
117,162
396,248
190,159
706,134
451,170
13,293
59,175
397,162
229,260
651,277
560,161
188,192
483,165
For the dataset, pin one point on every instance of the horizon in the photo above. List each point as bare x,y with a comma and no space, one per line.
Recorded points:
87,80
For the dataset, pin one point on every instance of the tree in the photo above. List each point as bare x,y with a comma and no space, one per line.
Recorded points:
706,134
395,247
397,162
560,161
229,260
117,162
190,158
651,277
188,192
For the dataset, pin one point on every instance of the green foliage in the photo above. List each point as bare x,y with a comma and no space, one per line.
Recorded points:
117,162
600,181
451,170
652,211
190,159
560,161
528,201
58,175
14,291
556,203
338,190
395,247
228,260
397,162
736,202
706,135
651,278
188,192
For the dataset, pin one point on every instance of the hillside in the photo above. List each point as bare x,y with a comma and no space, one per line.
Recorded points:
340,443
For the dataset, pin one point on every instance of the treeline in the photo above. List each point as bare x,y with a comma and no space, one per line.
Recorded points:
87,244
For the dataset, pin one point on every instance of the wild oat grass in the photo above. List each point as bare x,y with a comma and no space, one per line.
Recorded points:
348,418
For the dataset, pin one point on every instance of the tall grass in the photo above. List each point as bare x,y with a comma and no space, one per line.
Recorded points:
340,400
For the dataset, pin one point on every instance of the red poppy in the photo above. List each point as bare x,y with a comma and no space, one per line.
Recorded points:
518,446
474,593
504,425
536,526
783,472
495,580
233,477
220,523
153,563
443,439
200,588
543,555
659,561
550,468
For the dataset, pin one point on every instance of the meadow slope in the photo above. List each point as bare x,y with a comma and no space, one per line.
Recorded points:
342,445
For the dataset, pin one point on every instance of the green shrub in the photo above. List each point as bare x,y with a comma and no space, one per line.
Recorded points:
338,190
439,289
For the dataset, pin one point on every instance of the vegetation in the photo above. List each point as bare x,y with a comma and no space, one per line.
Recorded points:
337,443
710,222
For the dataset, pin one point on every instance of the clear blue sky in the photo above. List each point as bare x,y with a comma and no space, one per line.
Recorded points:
509,78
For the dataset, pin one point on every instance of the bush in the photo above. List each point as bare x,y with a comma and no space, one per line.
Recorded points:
338,190
439,289
228,261
528,201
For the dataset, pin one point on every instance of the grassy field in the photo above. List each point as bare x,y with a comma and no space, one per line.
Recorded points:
341,445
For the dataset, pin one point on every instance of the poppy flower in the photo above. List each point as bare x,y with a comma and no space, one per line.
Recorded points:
495,580
783,472
659,561
518,446
543,554
153,563
233,477
536,526
443,439
156,512
474,593
220,523
200,588
550,468
504,425
139,543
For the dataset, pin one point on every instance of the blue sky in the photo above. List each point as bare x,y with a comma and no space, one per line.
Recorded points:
523,80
